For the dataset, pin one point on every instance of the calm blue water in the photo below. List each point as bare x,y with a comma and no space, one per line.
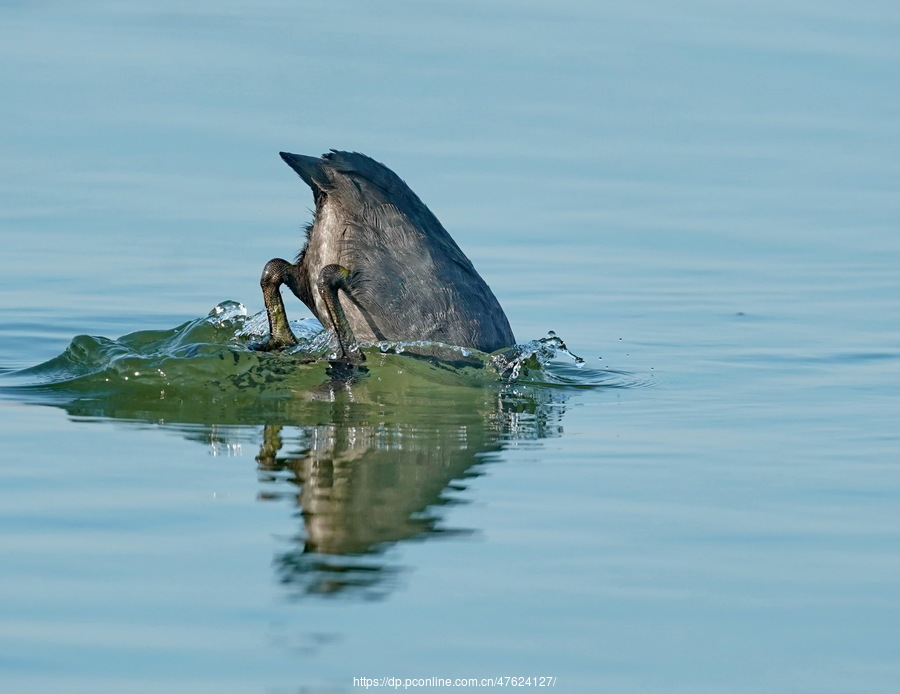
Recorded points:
701,198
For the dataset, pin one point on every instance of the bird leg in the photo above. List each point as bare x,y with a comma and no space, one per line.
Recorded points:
332,278
274,274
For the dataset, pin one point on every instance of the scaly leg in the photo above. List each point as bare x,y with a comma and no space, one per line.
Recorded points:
331,279
274,274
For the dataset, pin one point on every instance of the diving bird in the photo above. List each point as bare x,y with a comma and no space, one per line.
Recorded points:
378,265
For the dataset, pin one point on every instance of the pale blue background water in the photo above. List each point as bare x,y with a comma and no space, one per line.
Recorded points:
703,194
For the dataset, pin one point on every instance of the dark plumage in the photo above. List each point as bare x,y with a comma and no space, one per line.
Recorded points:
378,265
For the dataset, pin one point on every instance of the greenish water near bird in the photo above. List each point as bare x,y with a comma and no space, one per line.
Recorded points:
208,370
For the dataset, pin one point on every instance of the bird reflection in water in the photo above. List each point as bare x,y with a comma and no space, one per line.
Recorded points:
372,478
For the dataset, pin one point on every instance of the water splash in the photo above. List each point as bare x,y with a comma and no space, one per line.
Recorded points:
531,356
255,328
228,313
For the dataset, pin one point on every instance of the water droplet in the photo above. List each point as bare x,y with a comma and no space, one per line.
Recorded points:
227,311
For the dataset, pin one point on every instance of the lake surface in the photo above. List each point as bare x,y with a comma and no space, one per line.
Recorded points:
702,199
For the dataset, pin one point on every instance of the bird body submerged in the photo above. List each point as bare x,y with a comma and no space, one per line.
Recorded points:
378,265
